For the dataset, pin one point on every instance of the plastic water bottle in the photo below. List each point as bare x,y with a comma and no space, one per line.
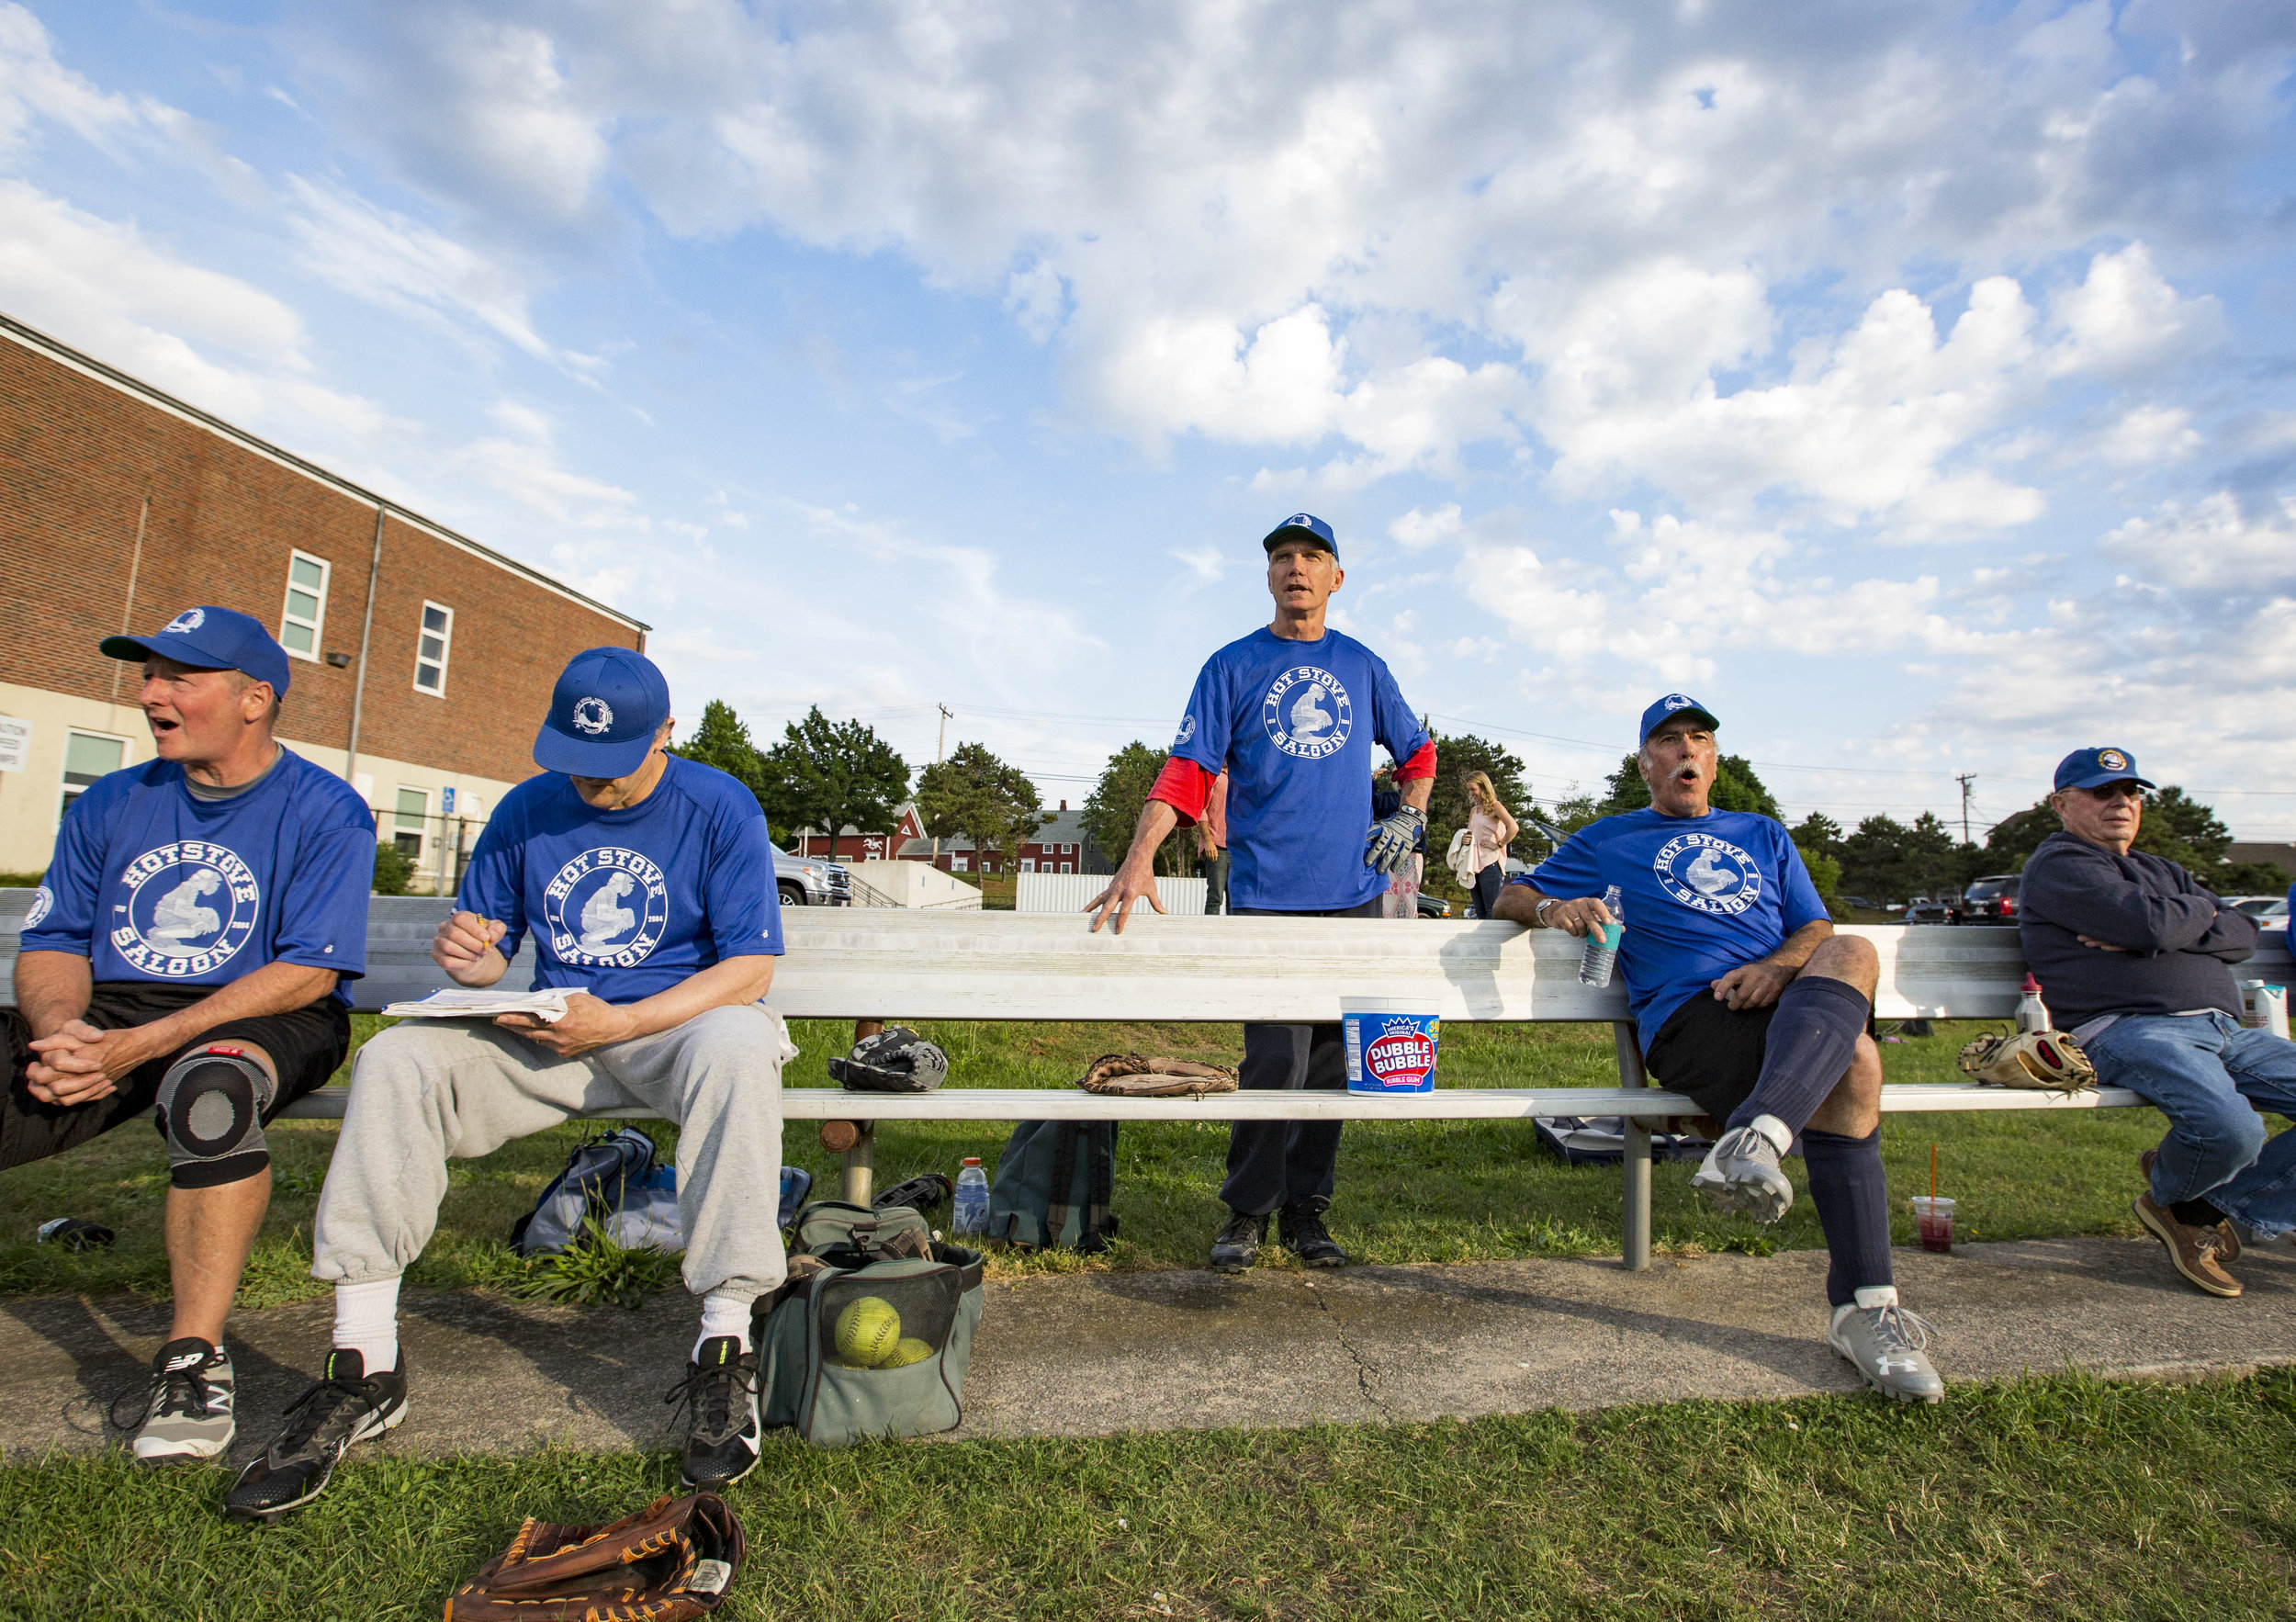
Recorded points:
2032,1014
1602,942
971,1212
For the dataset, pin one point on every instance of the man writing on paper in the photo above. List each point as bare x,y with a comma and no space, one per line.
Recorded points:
1291,713
647,883
182,964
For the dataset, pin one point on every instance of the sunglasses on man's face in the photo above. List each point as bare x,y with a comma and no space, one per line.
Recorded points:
2115,791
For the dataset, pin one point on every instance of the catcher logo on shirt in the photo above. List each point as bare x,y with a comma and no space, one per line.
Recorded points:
44,902
190,906
1188,731
1306,714
1708,875
606,908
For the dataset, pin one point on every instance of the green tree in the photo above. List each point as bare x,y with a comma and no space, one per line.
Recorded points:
827,773
2175,825
1736,787
975,794
1821,833
394,870
722,740
1448,805
1113,808
1889,860
1825,872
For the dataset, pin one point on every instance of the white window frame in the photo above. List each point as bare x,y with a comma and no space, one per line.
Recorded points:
127,758
446,653
318,625
1028,864
1068,867
959,862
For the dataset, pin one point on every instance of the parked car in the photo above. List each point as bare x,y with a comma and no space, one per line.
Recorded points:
1432,906
1990,898
803,881
2254,906
1861,903
1931,912
2274,916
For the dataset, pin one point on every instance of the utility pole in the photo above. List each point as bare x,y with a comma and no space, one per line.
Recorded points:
940,749
1964,779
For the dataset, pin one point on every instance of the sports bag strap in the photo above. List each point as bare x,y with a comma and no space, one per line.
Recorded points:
1056,1202
1101,1178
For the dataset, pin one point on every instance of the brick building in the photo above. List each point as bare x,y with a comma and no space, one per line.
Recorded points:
1060,846
423,660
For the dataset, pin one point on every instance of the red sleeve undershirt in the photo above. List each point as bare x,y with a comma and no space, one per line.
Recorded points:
1185,786
1422,764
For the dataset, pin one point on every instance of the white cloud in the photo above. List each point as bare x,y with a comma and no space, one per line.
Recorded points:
2149,434
1422,528
2124,318
2212,543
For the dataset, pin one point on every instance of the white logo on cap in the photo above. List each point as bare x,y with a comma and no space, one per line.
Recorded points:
1675,700
2112,759
592,715
190,620
1303,520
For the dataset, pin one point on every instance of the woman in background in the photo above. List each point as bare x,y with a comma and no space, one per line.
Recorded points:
1491,828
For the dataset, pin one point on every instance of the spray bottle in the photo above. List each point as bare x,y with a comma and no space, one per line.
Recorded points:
2032,1014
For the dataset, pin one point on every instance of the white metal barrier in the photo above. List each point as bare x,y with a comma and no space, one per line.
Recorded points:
1068,891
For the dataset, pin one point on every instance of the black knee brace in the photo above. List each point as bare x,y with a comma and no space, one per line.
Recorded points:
210,1110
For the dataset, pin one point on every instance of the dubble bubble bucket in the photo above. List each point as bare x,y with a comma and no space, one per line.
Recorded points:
1391,1044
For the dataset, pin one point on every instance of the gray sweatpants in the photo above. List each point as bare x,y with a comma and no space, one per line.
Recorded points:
430,1090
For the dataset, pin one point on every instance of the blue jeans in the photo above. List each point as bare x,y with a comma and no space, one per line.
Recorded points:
2211,1075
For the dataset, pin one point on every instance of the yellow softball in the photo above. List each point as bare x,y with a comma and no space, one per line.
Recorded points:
868,1331
910,1350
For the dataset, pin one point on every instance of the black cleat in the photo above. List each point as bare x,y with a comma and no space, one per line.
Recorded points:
719,1394
1304,1235
1238,1244
343,1405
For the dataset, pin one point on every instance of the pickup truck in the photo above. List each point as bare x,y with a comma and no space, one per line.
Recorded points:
806,881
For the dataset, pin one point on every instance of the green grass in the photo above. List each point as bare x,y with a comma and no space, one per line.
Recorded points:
1441,1191
2051,1498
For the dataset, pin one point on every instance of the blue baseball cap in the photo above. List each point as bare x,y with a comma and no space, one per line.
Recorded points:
2094,768
1673,704
1303,526
604,714
210,638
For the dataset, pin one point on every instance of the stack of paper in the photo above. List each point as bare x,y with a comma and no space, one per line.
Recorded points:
461,1003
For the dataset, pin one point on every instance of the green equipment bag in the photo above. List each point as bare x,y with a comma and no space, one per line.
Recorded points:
1053,1183
909,1306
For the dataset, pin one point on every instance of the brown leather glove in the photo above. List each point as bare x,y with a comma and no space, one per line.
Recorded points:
674,1559
1133,1075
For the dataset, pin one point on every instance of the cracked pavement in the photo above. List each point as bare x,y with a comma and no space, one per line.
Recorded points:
1097,1353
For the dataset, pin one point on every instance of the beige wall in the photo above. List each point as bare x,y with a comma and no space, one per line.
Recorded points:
30,799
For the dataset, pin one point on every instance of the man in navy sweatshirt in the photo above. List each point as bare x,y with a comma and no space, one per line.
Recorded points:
2135,961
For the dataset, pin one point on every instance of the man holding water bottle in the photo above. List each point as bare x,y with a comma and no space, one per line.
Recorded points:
1745,998
1290,714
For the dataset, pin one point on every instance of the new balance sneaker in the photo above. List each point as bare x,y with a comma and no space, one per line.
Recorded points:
719,1395
1237,1246
2200,1254
1741,1171
1886,1344
1304,1235
344,1405
186,1409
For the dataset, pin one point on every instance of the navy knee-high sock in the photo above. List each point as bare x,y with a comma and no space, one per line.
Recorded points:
1852,1194
1812,1037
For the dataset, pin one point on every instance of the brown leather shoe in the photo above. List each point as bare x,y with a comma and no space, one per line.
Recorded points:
2228,1250
2197,1253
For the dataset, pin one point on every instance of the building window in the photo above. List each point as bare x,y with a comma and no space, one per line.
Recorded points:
86,757
1028,864
1068,867
414,805
431,649
304,615
959,864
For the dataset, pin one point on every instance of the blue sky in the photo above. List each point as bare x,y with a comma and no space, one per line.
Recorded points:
1915,385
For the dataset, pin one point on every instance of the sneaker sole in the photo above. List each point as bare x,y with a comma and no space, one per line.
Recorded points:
2168,1245
1875,1381
374,1426
1221,1267
1745,1199
714,1483
188,1452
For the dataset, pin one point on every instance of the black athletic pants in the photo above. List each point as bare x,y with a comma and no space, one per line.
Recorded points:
1272,1164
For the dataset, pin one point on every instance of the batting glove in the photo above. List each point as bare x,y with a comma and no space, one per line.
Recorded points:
1389,842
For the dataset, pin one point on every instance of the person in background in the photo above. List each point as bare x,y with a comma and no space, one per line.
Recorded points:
1211,846
1491,828
2134,959
1402,900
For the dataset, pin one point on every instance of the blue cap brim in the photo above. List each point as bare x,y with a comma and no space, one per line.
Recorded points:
2103,778
1712,724
1268,543
136,649
587,757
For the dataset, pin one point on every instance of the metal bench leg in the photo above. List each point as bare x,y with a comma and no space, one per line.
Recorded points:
861,1165
1636,1223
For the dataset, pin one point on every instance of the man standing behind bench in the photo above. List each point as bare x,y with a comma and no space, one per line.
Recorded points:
647,882
181,962
2135,959
1291,713
1747,1000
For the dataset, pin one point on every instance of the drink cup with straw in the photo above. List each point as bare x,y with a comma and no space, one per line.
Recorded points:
1934,1214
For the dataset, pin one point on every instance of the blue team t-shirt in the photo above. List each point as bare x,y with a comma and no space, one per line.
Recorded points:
1701,895
1293,724
625,904
149,883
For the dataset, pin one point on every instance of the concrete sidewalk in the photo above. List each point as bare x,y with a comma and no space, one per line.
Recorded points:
1099,1352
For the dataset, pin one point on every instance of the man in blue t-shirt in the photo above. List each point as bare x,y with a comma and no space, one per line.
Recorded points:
182,962
1291,713
647,883
1745,998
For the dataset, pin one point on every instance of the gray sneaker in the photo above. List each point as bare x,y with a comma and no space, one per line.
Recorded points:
1886,1343
187,1411
1741,1173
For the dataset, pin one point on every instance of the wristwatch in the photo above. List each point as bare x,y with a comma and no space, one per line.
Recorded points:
1538,913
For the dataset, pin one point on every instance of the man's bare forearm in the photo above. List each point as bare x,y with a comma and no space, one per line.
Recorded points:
1518,904
52,988
1417,793
1798,946
1157,819
275,988
727,983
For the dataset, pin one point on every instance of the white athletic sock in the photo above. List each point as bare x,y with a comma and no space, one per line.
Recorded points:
723,1315
366,1321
